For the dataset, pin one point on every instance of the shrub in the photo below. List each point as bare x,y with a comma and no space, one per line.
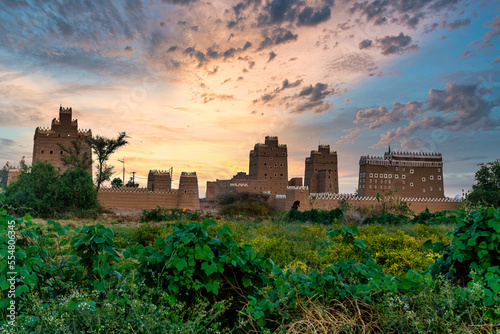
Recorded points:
43,191
162,214
425,217
316,216
386,218
474,254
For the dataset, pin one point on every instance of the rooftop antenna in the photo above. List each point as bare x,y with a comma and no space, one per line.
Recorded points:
123,162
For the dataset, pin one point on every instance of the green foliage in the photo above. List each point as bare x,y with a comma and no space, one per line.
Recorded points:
4,174
43,191
131,184
386,218
103,148
162,214
474,254
486,191
316,216
74,156
116,182
146,234
189,265
425,217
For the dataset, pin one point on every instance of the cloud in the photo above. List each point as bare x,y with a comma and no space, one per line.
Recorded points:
455,24
312,99
457,108
311,17
396,44
352,133
364,44
270,96
272,55
276,37
496,61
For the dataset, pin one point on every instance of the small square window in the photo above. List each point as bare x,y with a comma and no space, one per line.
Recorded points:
43,151
431,189
403,187
397,169
385,176
375,187
403,176
411,184
423,179
390,176
439,177
51,152
404,169
411,171
371,174
423,190
439,170
376,175
396,176
389,187
431,177
61,152
439,188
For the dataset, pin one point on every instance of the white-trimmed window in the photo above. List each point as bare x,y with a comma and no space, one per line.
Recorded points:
390,176
389,181
385,176
376,175
375,187
403,187
431,189
404,182
431,177
397,169
412,171
404,169
371,174
423,190
370,180
403,176
411,184
389,187
439,170
439,188
439,177
375,180
423,179
396,176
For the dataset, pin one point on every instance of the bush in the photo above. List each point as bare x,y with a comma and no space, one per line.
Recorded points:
43,191
474,254
386,218
315,216
162,214
426,217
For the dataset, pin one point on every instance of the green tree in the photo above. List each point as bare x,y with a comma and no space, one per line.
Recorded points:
74,156
132,184
116,182
487,188
103,148
4,174
42,190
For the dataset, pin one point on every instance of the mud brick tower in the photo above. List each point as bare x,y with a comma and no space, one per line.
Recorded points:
269,161
321,174
159,180
62,131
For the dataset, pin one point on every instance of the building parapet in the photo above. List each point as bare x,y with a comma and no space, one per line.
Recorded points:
380,161
188,174
155,171
135,190
297,188
330,196
280,197
238,184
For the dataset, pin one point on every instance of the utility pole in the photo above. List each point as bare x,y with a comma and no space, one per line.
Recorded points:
133,178
123,162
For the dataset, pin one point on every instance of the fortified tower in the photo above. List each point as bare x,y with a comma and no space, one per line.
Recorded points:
62,131
159,180
411,174
188,191
269,161
321,174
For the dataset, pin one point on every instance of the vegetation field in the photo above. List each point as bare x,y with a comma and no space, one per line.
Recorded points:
181,272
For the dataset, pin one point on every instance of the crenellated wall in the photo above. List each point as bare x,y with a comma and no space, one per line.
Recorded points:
144,198
327,201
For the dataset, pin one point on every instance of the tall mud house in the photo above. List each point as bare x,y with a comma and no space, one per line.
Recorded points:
410,174
64,131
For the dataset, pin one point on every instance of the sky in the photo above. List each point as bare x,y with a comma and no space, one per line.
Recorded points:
196,84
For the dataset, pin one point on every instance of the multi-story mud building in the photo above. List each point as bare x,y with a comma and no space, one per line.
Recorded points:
409,174
160,180
269,162
321,173
63,131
